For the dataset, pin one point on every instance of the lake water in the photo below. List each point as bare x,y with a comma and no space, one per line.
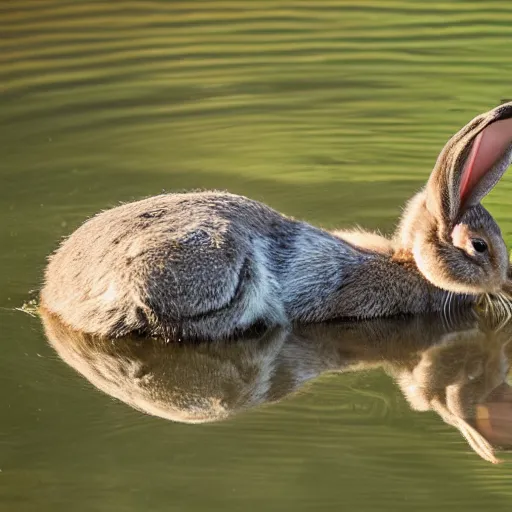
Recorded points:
333,112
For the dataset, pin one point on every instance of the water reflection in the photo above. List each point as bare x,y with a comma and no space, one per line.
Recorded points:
457,369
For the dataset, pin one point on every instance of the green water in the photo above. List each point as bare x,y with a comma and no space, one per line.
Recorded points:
331,111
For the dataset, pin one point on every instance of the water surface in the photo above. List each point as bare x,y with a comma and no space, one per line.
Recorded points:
333,112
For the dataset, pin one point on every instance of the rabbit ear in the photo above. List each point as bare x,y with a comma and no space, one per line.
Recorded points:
477,442
471,164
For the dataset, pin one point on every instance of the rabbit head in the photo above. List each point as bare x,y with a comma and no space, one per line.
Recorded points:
454,240
463,378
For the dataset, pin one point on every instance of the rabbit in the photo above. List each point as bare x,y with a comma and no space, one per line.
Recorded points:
212,264
456,367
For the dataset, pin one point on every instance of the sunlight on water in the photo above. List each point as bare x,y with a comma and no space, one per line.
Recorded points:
331,111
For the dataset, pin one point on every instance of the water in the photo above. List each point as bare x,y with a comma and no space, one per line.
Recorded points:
329,111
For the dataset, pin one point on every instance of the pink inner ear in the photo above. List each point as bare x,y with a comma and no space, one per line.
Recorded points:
489,146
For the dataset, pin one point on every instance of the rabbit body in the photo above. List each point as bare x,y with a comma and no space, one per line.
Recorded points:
210,264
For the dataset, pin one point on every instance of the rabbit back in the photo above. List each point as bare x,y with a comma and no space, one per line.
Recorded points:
195,264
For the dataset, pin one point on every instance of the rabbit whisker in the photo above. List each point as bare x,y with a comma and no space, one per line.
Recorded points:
497,311
488,303
482,303
507,307
450,302
501,311
498,307
506,313
445,309
495,305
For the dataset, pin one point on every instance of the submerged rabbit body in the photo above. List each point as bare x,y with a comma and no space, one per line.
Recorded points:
210,264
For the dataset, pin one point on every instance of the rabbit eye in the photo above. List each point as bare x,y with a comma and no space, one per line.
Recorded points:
479,245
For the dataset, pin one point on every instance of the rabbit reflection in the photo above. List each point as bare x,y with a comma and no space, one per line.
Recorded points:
457,369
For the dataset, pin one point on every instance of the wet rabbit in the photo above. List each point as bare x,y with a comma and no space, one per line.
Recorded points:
211,264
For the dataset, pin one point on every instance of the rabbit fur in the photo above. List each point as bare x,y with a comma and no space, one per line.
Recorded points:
212,264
